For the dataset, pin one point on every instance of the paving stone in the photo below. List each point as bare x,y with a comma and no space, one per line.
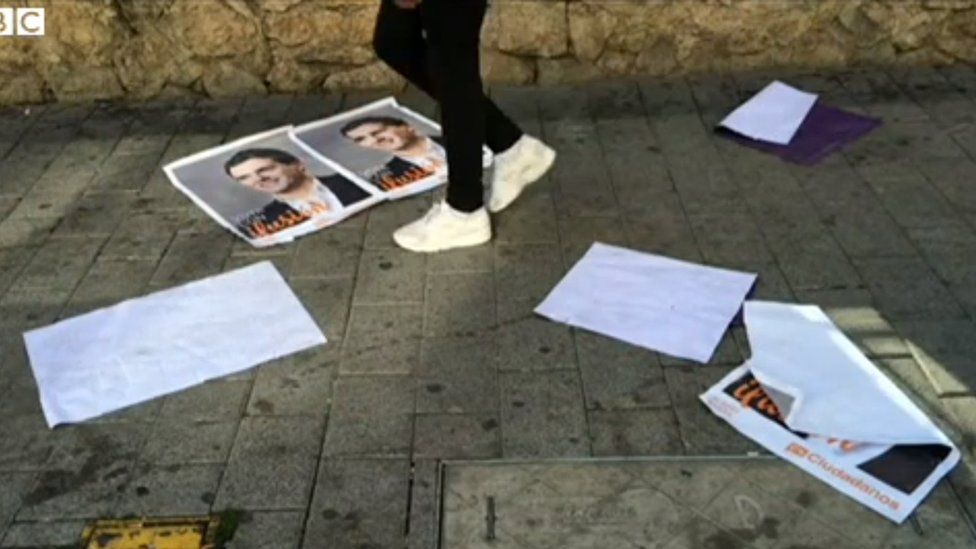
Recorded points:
906,194
424,504
129,172
7,204
31,307
938,518
459,304
668,234
904,287
524,275
854,312
15,485
27,442
464,260
333,252
948,246
178,441
966,294
383,339
97,214
49,201
944,349
866,233
269,530
371,416
727,352
749,520
109,282
457,436
534,344
328,301
578,234
272,464
28,231
211,401
529,220
300,384
87,472
814,261
542,415
176,490
191,257
50,535
729,238
59,264
358,503
390,276
702,432
650,432
457,375
619,376
143,235
12,262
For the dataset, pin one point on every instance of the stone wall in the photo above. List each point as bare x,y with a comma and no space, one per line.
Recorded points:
101,49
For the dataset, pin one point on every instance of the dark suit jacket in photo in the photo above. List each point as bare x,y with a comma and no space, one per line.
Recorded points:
278,215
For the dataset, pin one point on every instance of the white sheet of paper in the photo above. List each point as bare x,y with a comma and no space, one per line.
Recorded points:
774,114
143,348
798,351
663,304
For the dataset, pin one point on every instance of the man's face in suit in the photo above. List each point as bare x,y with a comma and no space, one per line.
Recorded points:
270,176
384,137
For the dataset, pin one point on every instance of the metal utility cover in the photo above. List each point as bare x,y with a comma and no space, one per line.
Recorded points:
671,504
176,533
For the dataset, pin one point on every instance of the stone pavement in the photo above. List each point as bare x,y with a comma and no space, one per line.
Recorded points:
440,357
672,503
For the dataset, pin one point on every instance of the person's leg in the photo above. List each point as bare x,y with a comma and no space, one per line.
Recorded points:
452,29
399,42
453,32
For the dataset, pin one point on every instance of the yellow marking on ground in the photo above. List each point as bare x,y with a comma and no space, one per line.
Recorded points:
176,533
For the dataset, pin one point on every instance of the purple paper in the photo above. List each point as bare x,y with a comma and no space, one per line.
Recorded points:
824,130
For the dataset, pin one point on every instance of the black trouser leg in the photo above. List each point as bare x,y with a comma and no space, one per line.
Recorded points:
399,41
453,30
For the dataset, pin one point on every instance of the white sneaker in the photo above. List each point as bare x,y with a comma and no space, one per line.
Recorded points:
443,228
516,168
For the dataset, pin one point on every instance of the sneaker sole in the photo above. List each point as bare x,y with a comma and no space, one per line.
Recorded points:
529,177
473,240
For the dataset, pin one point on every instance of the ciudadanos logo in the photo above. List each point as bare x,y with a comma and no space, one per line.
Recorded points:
21,21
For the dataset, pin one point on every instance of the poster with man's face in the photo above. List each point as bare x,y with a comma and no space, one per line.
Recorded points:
397,150
268,190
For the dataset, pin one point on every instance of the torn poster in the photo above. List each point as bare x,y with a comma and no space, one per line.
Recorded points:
170,340
659,303
773,115
268,190
812,398
396,149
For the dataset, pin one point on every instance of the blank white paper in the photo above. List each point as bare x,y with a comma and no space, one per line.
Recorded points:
774,114
663,304
167,341
835,391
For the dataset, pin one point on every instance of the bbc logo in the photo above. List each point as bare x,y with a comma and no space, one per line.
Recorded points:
21,21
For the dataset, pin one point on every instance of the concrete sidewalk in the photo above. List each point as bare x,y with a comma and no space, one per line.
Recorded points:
440,357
